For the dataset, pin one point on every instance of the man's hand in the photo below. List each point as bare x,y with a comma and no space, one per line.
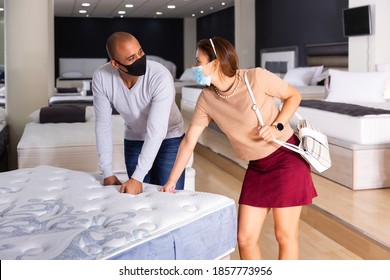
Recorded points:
111,180
131,186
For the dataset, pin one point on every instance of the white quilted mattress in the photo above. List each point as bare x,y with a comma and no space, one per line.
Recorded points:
68,145
367,130
54,213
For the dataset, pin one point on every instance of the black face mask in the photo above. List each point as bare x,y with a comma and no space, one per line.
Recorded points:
137,68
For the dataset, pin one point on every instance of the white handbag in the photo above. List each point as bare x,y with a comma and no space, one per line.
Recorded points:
313,146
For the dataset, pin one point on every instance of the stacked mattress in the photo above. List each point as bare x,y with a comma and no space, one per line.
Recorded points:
365,130
55,213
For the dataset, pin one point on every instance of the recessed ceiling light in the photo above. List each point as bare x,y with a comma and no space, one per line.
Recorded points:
82,11
193,15
1,9
201,12
85,4
171,6
159,13
211,8
121,12
223,3
129,5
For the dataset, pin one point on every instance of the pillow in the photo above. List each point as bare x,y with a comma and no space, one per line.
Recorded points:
187,75
300,76
318,76
62,113
2,115
2,91
383,67
72,75
355,87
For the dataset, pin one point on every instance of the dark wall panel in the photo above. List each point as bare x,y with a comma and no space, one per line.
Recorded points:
220,24
86,37
281,23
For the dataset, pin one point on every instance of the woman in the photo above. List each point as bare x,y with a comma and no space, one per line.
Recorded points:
276,178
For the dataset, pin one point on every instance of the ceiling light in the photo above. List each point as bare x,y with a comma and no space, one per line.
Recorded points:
1,9
201,12
223,3
159,13
121,12
82,11
193,15
171,6
85,4
129,5
211,8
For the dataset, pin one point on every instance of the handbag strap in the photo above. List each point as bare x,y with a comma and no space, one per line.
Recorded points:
289,146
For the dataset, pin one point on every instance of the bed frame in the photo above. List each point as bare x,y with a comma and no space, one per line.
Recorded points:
355,166
281,59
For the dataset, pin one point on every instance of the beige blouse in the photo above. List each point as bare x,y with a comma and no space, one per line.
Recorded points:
235,117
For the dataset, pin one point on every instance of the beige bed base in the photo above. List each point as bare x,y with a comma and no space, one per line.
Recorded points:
359,167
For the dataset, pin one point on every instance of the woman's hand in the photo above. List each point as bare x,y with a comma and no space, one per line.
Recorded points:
268,132
168,187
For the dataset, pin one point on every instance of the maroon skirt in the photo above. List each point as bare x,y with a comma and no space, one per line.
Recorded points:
281,179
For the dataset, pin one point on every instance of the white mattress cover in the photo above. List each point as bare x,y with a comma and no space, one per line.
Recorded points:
190,94
367,130
55,213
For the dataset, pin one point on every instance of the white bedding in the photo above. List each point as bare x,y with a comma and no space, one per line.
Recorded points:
367,130
55,213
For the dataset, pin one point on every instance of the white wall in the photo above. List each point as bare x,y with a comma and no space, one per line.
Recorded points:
245,32
29,59
189,42
367,51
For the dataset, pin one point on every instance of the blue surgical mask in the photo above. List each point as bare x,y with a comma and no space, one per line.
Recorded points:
200,78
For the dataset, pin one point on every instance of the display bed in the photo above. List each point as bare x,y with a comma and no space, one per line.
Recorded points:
68,145
73,146
359,146
70,215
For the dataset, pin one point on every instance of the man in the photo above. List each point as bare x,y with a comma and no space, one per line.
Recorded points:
143,93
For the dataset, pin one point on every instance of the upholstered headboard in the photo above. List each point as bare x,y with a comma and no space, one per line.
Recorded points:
168,64
333,55
79,67
279,60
